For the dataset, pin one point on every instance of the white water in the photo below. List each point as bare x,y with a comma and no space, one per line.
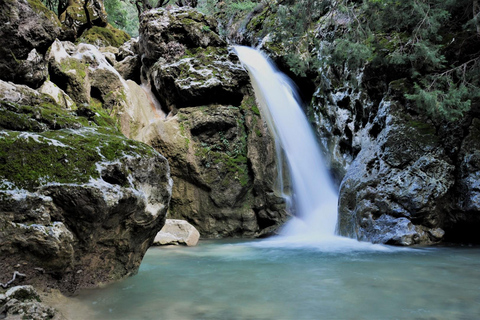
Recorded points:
314,197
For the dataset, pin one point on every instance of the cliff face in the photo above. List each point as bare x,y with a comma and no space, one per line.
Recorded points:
219,148
404,177
79,202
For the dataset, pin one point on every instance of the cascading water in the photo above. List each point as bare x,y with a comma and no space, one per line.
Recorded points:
314,196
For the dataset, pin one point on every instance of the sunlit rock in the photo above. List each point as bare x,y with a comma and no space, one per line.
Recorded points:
176,232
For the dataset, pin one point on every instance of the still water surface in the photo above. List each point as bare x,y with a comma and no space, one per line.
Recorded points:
263,280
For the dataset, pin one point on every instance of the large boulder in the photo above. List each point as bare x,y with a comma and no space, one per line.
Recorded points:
27,29
186,61
196,79
79,203
166,33
88,76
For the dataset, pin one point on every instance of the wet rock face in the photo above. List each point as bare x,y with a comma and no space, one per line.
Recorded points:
27,29
79,203
223,168
396,189
222,156
404,179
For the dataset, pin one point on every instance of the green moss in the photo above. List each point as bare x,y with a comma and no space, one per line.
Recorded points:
74,64
63,156
423,128
38,118
105,36
40,8
249,103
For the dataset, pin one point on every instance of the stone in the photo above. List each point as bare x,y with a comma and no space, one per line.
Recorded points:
23,302
222,156
395,188
57,94
27,29
129,48
81,15
166,33
176,232
129,68
211,77
87,217
104,36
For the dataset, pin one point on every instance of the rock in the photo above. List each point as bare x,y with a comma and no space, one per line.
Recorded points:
23,302
84,73
129,68
222,156
27,29
81,15
223,166
129,48
187,62
57,94
209,77
67,71
104,36
176,232
89,215
394,191
167,33
128,61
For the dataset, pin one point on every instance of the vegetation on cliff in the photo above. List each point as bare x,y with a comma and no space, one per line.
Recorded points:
432,43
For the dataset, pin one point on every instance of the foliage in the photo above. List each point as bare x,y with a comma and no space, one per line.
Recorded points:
412,38
227,10
297,20
122,15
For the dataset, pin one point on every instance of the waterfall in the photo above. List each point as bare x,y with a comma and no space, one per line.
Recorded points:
314,197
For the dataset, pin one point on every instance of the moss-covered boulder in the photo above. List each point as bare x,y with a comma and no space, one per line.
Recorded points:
27,29
79,203
81,15
104,36
88,77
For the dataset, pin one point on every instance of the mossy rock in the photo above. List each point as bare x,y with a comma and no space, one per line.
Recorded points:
104,36
40,8
29,160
